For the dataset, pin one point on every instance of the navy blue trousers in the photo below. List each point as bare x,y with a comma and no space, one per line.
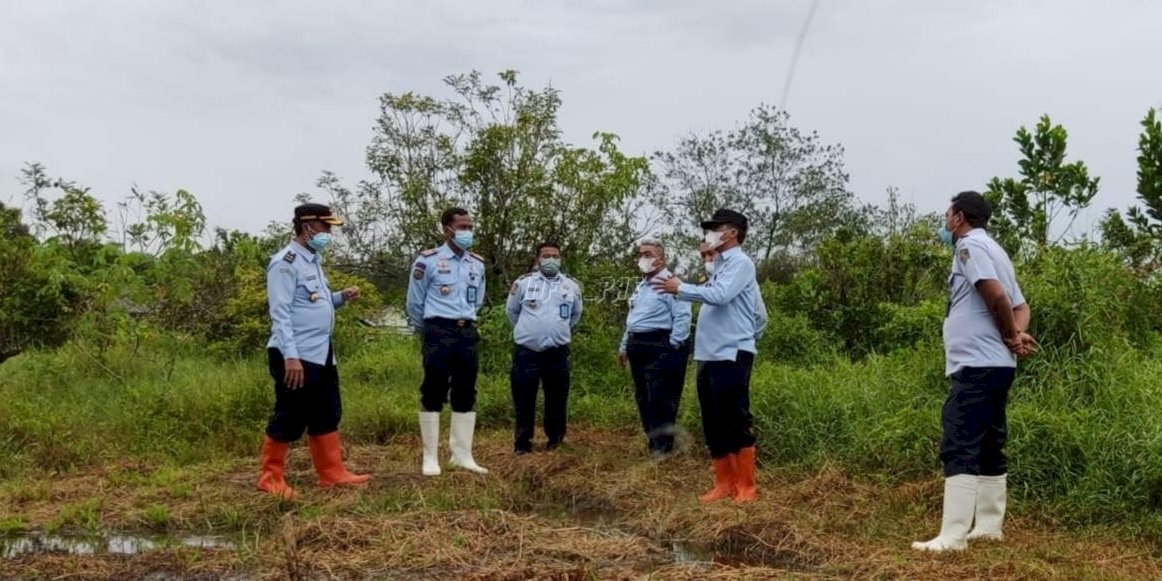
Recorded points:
314,408
451,363
530,370
724,396
659,373
974,422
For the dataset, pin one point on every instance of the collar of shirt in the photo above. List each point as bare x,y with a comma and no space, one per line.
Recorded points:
447,252
308,254
542,276
974,233
662,274
728,254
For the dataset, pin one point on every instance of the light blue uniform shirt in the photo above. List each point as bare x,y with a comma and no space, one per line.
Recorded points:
445,286
972,337
654,311
300,327
543,310
732,316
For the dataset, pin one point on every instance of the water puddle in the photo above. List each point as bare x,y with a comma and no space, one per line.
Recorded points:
34,543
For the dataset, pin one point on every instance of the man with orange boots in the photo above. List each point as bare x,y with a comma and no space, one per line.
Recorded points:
301,356
730,322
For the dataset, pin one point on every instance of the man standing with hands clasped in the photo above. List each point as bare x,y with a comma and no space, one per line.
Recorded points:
985,330
729,324
543,306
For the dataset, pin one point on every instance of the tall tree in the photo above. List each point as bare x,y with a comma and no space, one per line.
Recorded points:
496,150
1138,237
1025,208
791,185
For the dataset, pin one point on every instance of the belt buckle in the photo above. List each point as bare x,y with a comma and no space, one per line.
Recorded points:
461,322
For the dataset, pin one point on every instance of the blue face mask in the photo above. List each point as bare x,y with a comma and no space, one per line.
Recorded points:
319,242
945,235
463,239
550,266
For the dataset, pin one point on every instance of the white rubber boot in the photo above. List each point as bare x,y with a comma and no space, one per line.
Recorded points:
959,506
430,433
460,441
990,508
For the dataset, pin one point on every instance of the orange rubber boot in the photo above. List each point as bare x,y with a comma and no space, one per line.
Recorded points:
328,461
271,480
724,474
747,491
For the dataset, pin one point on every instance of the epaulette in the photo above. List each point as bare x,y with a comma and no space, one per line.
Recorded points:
476,256
429,252
290,256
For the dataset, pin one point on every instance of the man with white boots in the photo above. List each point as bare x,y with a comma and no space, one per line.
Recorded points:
445,292
985,330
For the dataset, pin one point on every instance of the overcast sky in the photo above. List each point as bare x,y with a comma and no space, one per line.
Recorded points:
245,103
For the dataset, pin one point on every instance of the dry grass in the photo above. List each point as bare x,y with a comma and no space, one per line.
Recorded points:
594,510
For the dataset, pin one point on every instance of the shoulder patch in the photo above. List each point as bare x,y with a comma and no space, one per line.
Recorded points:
290,256
418,273
476,256
963,254
429,252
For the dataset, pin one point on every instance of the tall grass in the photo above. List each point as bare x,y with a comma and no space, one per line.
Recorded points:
1085,429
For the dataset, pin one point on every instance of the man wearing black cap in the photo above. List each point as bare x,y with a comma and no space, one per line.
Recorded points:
301,356
729,323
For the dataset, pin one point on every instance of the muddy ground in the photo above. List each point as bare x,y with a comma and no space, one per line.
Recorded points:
597,509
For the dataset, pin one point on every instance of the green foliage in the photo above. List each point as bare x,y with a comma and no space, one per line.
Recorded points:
1138,237
1024,209
1087,299
792,187
861,289
497,151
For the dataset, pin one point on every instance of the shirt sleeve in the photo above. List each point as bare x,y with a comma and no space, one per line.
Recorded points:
337,299
575,315
417,293
680,329
480,292
723,288
1016,297
760,319
513,305
975,263
281,280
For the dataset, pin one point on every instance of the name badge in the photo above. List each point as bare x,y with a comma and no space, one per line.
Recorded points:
472,295
564,311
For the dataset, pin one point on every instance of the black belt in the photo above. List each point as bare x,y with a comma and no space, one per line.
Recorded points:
441,322
647,335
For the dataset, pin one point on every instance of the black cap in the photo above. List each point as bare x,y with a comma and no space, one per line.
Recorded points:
724,216
310,212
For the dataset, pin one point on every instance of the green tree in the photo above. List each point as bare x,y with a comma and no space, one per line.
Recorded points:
41,290
1138,237
1025,209
791,185
497,151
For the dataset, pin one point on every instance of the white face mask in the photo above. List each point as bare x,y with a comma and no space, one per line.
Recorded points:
709,267
713,239
646,265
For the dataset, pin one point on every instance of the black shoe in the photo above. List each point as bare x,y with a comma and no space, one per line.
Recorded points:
522,449
553,445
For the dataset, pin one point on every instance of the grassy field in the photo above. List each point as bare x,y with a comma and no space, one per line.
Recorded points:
166,442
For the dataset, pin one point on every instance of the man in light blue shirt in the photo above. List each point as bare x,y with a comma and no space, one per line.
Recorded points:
445,293
985,330
543,307
654,344
724,349
300,356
